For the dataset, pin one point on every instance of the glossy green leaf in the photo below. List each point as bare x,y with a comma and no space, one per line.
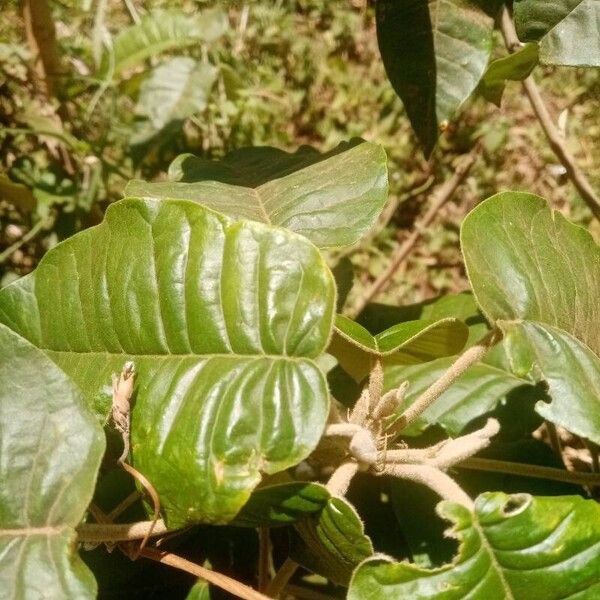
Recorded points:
514,67
331,199
476,392
223,320
512,547
540,282
175,90
568,30
434,53
407,343
50,451
332,543
160,31
282,504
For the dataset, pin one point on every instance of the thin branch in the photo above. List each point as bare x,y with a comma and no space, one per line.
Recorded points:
283,575
555,140
41,224
444,193
226,583
264,558
119,532
433,478
432,393
510,468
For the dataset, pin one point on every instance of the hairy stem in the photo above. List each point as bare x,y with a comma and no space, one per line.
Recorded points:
226,583
119,532
510,468
555,140
444,193
432,393
339,482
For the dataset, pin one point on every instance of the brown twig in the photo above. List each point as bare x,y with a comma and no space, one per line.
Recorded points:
283,575
444,193
264,558
226,583
433,392
539,472
119,532
555,140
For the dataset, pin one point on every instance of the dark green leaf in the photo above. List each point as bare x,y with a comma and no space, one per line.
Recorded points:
332,543
434,53
331,199
50,448
222,320
567,30
516,546
540,282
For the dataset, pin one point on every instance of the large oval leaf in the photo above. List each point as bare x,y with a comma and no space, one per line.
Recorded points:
568,30
513,547
50,451
434,53
540,281
222,320
331,199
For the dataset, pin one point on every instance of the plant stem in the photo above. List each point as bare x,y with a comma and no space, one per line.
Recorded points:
119,532
283,575
444,193
553,135
41,224
432,393
226,583
264,556
339,482
510,468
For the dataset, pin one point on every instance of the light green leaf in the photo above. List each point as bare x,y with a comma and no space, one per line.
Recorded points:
158,32
282,504
223,320
175,90
332,543
434,53
514,67
540,282
331,199
50,452
512,547
407,343
199,591
568,30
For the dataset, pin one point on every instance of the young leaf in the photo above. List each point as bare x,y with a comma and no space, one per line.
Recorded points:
51,446
331,199
158,32
174,91
332,543
434,53
514,67
566,29
407,343
512,546
222,320
540,282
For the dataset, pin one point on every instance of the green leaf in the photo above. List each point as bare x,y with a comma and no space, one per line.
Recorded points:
343,273
513,546
175,90
434,54
331,199
476,392
567,30
540,282
161,31
199,591
50,449
223,320
282,504
332,543
411,342
514,67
